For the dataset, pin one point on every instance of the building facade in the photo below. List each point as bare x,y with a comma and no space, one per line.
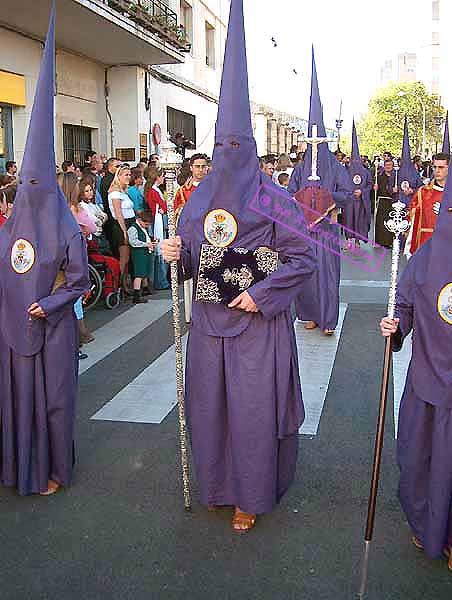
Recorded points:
126,70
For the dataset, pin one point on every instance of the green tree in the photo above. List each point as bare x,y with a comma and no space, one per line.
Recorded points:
381,128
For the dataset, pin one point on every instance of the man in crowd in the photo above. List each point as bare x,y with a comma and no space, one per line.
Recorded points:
198,170
90,159
386,192
426,203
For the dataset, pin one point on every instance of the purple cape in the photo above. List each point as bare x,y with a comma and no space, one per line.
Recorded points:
244,431
38,373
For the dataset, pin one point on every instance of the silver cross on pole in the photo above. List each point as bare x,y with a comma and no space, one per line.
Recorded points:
315,141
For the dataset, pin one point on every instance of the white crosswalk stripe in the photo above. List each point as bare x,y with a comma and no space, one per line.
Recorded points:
316,356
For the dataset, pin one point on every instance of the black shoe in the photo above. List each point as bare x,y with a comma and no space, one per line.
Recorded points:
147,292
138,298
82,355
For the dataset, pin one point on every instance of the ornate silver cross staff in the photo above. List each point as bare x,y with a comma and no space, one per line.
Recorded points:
397,224
170,160
315,141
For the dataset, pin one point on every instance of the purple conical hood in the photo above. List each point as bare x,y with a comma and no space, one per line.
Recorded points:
39,156
315,106
355,147
326,161
446,140
234,114
408,174
406,150
34,240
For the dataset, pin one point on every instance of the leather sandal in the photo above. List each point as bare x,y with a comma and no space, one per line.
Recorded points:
52,487
243,522
310,325
417,543
448,554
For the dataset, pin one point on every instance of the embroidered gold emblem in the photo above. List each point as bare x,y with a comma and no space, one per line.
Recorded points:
445,303
220,228
22,256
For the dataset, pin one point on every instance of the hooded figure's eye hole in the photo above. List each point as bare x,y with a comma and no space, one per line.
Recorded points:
34,181
218,145
235,144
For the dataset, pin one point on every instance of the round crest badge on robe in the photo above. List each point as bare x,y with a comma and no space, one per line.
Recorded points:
445,303
405,185
22,256
357,179
220,228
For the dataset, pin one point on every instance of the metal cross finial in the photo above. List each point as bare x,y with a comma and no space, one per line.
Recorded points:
315,141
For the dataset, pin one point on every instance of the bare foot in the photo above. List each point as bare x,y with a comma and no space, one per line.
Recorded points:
328,332
242,522
53,487
311,325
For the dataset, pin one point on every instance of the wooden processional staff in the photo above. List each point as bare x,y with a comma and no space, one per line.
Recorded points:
170,161
397,224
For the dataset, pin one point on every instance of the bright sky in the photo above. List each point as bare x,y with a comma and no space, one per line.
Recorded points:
352,40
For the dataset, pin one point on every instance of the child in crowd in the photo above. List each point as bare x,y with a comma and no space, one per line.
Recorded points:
142,248
283,180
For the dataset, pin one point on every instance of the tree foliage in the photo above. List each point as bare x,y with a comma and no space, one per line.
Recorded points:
381,128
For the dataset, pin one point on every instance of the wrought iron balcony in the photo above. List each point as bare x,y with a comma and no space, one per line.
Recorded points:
155,16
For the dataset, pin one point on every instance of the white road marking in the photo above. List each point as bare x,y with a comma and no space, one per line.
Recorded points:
122,329
400,364
316,355
149,398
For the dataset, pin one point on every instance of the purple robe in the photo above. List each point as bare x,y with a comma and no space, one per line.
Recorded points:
38,367
37,405
242,389
425,422
319,299
357,214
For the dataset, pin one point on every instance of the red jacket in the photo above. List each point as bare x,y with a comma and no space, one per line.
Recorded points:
153,199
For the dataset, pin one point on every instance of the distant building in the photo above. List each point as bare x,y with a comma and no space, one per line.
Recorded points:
400,69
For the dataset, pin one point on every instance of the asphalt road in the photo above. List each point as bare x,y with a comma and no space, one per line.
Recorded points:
121,532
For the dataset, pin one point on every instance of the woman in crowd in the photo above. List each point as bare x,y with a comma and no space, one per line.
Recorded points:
121,207
71,190
135,190
284,165
7,196
88,203
154,199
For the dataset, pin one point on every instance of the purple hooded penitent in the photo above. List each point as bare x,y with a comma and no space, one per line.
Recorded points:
244,429
357,215
319,301
408,176
38,369
446,139
424,304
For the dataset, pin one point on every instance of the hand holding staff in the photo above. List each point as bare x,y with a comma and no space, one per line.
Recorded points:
171,252
397,225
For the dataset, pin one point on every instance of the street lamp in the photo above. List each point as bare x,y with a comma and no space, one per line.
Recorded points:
424,119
